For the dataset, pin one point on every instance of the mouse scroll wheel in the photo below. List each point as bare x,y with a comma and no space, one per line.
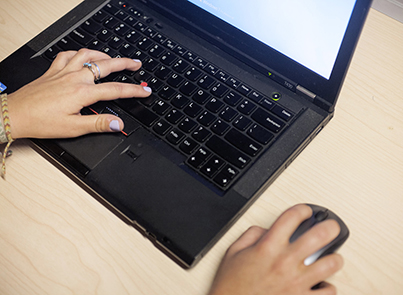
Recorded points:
321,215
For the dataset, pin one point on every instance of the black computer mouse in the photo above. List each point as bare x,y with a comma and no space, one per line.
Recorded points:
321,214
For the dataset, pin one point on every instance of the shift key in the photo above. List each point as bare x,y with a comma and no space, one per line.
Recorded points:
227,152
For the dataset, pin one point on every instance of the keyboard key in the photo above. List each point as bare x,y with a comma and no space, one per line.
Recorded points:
227,152
145,44
220,75
193,74
187,125
260,134
111,9
243,142
127,49
188,146
188,88
132,37
142,76
255,96
163,72
67,43
206,82
244,89
201,96
156,51
190,56
226,176
174,116
219,127
232,98
199,158
121,29
199,62
242,123
232,82
192,110
214,105
180,66
175,80
115,42
91,27
151,65
212,166
105,35
201,134
211,69
267,104
179,50
175,136
206,118
266,120
282,113
168,58
180,101
138,111
162,127
155,84
219,90
167,93
246,107
161,107
228,114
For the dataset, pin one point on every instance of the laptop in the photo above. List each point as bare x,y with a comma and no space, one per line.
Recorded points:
239,90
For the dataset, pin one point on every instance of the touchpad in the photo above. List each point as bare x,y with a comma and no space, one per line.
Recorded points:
91,149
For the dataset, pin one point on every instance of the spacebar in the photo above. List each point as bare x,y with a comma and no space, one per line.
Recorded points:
227,152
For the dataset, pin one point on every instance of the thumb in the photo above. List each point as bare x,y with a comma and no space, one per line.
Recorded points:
101,123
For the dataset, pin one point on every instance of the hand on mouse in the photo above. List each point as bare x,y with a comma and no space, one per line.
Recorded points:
265,262
49,107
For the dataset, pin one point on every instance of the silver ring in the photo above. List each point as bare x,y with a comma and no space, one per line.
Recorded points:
96,73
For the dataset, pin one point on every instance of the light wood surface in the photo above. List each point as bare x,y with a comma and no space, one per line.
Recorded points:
56,239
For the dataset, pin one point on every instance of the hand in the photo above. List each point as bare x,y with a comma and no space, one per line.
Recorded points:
49,107
265,262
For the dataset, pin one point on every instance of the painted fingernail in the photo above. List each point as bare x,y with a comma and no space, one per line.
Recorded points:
136,60
114,125
148,89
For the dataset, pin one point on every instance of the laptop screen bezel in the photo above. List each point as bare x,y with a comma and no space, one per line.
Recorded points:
266,59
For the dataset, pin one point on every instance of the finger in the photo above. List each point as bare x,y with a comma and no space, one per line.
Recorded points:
115,90
315,239
282,229
85,56
323,269
60,62
324,288
97,124
247,239
107,66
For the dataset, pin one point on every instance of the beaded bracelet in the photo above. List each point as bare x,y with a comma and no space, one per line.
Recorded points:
6,129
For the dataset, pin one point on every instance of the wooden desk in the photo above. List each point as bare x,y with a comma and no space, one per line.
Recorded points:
56,239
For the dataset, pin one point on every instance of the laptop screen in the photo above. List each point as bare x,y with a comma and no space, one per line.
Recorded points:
309,32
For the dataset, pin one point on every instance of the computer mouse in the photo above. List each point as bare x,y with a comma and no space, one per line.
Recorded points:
321,214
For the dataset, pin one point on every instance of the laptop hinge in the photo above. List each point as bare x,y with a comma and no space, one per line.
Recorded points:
315,98
311,96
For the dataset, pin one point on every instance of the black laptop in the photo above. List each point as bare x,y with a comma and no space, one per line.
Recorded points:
239,90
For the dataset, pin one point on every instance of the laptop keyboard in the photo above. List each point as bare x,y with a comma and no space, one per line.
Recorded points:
217,121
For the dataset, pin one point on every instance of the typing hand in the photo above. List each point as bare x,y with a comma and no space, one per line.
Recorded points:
49,107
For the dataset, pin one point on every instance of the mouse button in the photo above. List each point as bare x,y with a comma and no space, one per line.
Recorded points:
322,215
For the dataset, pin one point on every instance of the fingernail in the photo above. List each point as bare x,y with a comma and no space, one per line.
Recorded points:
148,89
136,60
114,125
